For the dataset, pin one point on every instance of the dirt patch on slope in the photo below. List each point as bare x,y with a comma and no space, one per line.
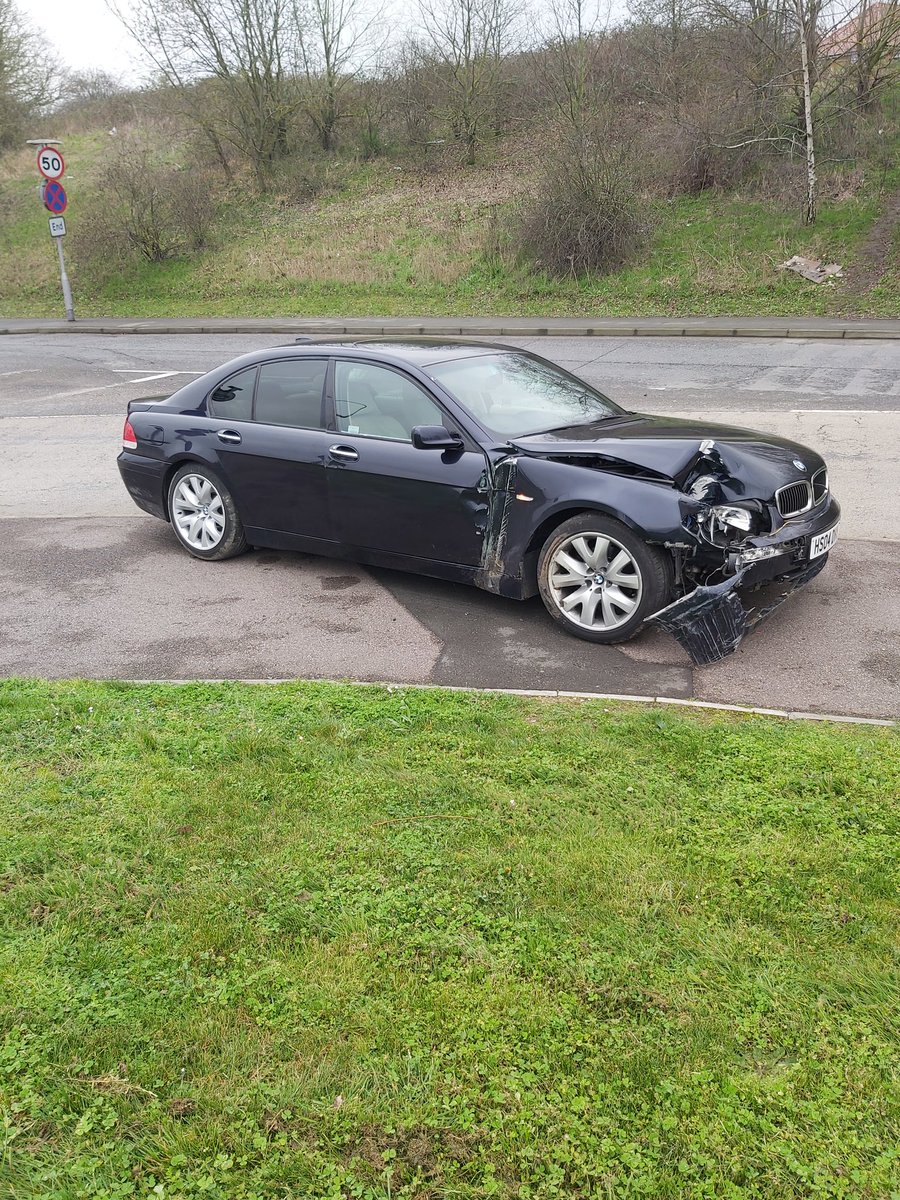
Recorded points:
875,252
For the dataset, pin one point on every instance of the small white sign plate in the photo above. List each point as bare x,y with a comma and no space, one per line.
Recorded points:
57,226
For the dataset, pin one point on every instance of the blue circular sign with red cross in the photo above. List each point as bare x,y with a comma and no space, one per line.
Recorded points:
54,196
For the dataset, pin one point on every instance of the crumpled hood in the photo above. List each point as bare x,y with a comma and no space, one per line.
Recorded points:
755,464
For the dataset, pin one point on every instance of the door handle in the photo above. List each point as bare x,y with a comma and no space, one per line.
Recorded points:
231,436
347,453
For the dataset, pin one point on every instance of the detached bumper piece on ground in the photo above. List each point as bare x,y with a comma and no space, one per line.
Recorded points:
711,622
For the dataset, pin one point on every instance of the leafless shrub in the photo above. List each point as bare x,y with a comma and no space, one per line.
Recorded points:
140,191
97,243
142,209
587,216
300,179
691,160
192,206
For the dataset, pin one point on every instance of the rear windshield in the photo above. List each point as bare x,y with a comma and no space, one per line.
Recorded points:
513,395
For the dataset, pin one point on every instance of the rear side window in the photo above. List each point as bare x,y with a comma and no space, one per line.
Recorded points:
233,399
290,393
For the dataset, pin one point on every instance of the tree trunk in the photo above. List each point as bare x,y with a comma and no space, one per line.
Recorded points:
810,213
219,151
862,82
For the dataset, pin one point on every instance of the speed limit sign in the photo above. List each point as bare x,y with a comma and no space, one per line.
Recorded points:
50,163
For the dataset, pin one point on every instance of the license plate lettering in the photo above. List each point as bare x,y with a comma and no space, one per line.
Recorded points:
822,542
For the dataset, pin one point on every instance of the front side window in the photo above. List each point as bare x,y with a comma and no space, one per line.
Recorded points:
233,399
374,401
290,393
513,395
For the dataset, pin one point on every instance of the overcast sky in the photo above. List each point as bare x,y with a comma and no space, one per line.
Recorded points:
83,33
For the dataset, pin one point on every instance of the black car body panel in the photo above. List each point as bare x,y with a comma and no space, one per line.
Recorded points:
481,511
754,464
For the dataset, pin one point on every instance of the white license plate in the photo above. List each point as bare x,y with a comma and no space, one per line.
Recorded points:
822,542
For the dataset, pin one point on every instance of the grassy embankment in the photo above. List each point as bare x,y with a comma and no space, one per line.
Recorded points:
388,241
320,941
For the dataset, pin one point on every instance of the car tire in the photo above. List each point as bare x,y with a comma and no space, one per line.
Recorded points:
203,514
572,574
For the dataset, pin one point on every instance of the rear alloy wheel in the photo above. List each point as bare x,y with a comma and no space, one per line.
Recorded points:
599,581
203,514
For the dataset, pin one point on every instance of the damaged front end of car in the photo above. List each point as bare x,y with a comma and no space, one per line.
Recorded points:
743,557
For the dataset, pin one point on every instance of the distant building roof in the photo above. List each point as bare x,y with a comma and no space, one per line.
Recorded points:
874,21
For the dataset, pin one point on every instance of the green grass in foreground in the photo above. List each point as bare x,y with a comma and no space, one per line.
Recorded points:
328,941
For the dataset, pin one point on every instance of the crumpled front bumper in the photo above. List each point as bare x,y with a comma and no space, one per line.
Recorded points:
712,620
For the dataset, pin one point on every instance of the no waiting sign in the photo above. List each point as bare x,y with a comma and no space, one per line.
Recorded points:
50,163
54,196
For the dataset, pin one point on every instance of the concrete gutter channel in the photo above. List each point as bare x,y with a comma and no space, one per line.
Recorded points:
759,327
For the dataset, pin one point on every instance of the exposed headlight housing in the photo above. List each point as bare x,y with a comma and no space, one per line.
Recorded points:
733,517
727,523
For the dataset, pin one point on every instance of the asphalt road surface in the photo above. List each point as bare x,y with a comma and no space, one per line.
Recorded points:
90,586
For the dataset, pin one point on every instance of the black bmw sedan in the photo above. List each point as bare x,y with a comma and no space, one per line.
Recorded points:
486,465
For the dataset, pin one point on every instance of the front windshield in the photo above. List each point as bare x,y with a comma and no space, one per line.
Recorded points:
513,395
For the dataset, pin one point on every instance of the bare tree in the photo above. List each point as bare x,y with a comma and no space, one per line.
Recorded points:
90,87
804,18
671,53
469,39
874,50
249,49
410,80
27,74
790,35
569,60
342,37
375,97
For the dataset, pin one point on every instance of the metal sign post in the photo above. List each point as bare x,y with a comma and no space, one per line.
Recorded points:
66,289
51,165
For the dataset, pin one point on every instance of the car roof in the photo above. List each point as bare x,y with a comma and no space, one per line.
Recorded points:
417,351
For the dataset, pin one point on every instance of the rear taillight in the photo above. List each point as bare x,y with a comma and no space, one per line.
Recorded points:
129,440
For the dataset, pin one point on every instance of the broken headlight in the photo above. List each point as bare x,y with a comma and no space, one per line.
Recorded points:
727,523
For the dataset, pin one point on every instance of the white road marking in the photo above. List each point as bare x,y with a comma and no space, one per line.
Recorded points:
162,375
27,371
150,378
104,387
83,391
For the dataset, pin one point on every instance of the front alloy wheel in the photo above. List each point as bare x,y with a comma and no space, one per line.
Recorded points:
595,582
599,580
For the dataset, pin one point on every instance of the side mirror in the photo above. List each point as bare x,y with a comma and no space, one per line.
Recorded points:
435,437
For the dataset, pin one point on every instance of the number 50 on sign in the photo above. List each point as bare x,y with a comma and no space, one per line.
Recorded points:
50,163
